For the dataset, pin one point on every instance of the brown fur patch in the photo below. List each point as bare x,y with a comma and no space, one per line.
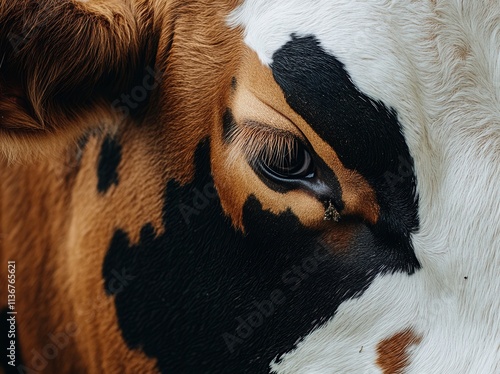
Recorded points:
136,201
61,232
198,69
393,355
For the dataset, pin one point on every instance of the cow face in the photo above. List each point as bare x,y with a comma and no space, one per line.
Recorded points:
295,230
324,181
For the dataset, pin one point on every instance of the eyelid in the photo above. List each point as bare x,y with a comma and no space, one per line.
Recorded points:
249,108
279,113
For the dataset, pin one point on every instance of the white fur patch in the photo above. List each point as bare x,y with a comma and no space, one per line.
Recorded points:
439,68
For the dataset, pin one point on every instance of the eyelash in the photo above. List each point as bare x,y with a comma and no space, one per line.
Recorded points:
263,143
278,155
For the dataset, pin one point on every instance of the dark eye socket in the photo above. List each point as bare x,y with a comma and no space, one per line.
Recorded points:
292,163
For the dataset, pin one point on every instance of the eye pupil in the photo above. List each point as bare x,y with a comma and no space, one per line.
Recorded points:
294,163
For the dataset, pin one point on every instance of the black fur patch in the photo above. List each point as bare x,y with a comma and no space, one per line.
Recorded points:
365,134
107,167
204,298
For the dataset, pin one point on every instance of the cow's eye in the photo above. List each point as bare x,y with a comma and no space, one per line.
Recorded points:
292,163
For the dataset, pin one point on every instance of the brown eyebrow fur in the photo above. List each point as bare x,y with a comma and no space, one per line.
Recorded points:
259,142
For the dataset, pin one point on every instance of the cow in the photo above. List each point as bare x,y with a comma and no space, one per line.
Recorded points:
250,186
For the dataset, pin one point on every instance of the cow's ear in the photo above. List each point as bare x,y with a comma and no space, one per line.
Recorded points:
61,64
